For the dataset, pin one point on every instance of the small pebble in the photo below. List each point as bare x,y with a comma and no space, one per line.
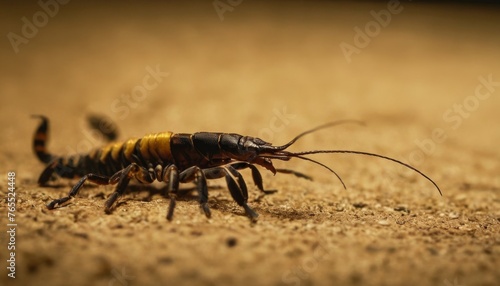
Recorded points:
383,222
231,242
402,209
359,205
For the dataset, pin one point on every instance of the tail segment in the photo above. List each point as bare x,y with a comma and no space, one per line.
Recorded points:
68,166
104,125
55,165
40,140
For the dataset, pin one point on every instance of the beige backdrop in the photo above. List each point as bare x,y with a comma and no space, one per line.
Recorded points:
425,78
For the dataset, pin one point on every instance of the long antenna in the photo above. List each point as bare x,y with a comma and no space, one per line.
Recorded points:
326,125
300,155
325,166
278,152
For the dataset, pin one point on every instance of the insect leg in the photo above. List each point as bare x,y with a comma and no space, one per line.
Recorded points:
257,177
100,180
47,173
123,178
196,174
236,184
239,191
171,177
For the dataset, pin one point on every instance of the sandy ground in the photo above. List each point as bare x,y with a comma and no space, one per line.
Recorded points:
269,70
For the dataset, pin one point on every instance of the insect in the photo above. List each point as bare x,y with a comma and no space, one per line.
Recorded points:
176,158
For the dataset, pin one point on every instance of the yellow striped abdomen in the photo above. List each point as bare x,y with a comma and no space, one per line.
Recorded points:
152,148
156,146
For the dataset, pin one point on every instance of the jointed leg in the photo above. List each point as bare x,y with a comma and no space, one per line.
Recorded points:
170,175
257,177
236,184
100,180
48,172
123,178
196,174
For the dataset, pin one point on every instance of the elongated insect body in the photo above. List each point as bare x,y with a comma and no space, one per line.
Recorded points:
176,158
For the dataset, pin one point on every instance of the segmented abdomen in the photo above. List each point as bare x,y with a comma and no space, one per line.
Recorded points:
165,148
150,150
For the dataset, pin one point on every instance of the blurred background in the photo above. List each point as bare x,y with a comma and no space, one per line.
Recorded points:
424,76
227,65
233,66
